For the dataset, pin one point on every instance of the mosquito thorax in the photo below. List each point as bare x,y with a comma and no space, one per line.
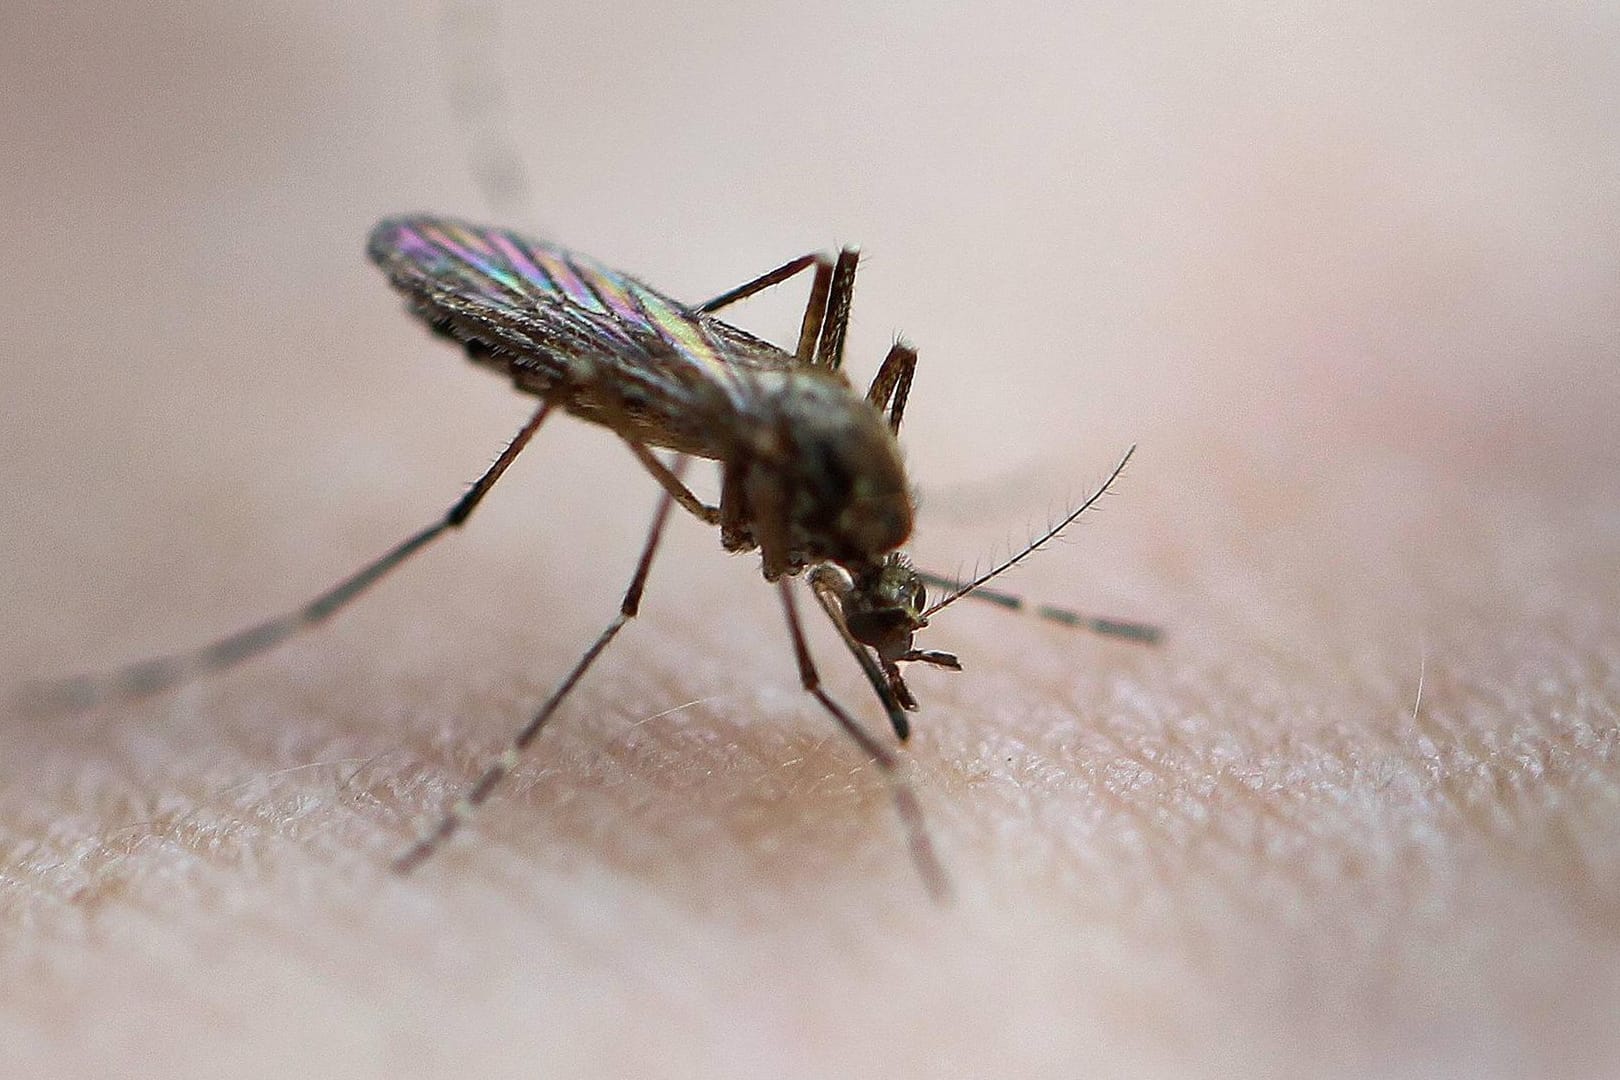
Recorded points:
837,471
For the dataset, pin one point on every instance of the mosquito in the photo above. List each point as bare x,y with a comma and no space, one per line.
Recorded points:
811,475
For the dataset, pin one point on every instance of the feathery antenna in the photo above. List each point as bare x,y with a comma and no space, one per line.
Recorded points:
1124,628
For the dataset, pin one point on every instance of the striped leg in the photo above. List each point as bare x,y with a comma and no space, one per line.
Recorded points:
892,384
826,315
153,676
761,283
1146,633
492,776
840,295
815,311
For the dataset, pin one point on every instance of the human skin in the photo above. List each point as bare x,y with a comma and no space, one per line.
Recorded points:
1358,814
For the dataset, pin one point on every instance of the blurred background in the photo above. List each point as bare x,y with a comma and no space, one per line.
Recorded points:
1345,274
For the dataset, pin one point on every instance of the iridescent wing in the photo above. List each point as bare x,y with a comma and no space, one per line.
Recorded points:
553,318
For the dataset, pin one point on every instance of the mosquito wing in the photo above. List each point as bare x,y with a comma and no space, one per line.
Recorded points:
559,322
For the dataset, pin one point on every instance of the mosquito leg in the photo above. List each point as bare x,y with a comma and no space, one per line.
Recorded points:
815,310
905,801
618,419
1146,633
826,315
152,676
892,384
761,283
830,350
463,808
709,515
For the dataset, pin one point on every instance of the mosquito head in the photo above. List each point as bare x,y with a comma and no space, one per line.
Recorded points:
883,604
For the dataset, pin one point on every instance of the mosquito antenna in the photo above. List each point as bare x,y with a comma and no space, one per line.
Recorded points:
975,586
470,40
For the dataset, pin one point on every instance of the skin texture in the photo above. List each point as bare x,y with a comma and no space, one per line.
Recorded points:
1346,279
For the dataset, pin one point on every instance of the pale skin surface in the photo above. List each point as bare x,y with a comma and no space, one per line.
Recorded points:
1349,285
